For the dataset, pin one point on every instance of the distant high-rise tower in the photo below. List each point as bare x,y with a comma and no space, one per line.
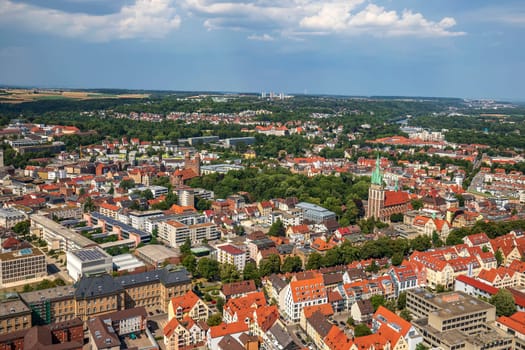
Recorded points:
1,158
376,193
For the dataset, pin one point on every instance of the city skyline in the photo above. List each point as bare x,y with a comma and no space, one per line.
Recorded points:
402,48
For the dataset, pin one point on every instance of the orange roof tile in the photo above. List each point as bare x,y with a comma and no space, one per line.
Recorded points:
228,328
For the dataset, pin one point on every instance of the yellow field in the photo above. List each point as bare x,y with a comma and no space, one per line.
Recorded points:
25,95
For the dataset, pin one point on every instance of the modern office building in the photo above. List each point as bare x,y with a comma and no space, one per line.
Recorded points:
234,141
315,213
455,320
88,261
57,236
28,264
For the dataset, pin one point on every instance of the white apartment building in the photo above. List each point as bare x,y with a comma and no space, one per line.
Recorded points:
230,254
298,294
175,233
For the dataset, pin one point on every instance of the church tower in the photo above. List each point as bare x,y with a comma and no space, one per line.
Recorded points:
376,193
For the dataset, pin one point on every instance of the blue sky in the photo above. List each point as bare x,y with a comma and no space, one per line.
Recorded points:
456,48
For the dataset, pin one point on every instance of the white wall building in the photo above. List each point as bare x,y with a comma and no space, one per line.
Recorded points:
88,261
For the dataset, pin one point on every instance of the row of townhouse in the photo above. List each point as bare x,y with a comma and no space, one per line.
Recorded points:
441,266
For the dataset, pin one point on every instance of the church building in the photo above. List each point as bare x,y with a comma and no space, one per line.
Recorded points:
382,203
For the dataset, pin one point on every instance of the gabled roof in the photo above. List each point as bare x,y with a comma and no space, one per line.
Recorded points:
392,320
396,198
515,322
336,339
185,302
228,329
267,316
240,287
308,289
325,309
244,306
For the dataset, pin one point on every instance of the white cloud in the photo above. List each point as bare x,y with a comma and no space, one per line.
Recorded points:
142,19
306,17
264,37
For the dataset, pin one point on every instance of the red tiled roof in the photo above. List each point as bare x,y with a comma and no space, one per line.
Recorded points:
228,328
230,249
515,322
477,284
396,198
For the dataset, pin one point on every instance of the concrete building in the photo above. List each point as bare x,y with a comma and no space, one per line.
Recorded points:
234,141
88,261
9,217
155,255
219,169
186,196
230,254
138,218
27,264
456,320
175,233
57,236
315,213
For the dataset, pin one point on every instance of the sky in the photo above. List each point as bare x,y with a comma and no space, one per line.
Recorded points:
442,48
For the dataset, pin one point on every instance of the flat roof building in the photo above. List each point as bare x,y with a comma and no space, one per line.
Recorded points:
88,261
28,264
315,213
9,217
156,255
456,320
57,236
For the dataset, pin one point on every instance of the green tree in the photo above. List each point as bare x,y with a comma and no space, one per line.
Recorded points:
214,320
272,264
397,259
277,229
504,302
398,217
89,206
499,257
229,273
292,264
185,248
251,272
373,267
405,314
377,301
417,204
190,263
127,184
208,268
421,346
220,304
22,228
421,243
402,300
315,261
436,240
361,330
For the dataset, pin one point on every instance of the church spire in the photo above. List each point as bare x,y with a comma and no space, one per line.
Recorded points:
377,177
